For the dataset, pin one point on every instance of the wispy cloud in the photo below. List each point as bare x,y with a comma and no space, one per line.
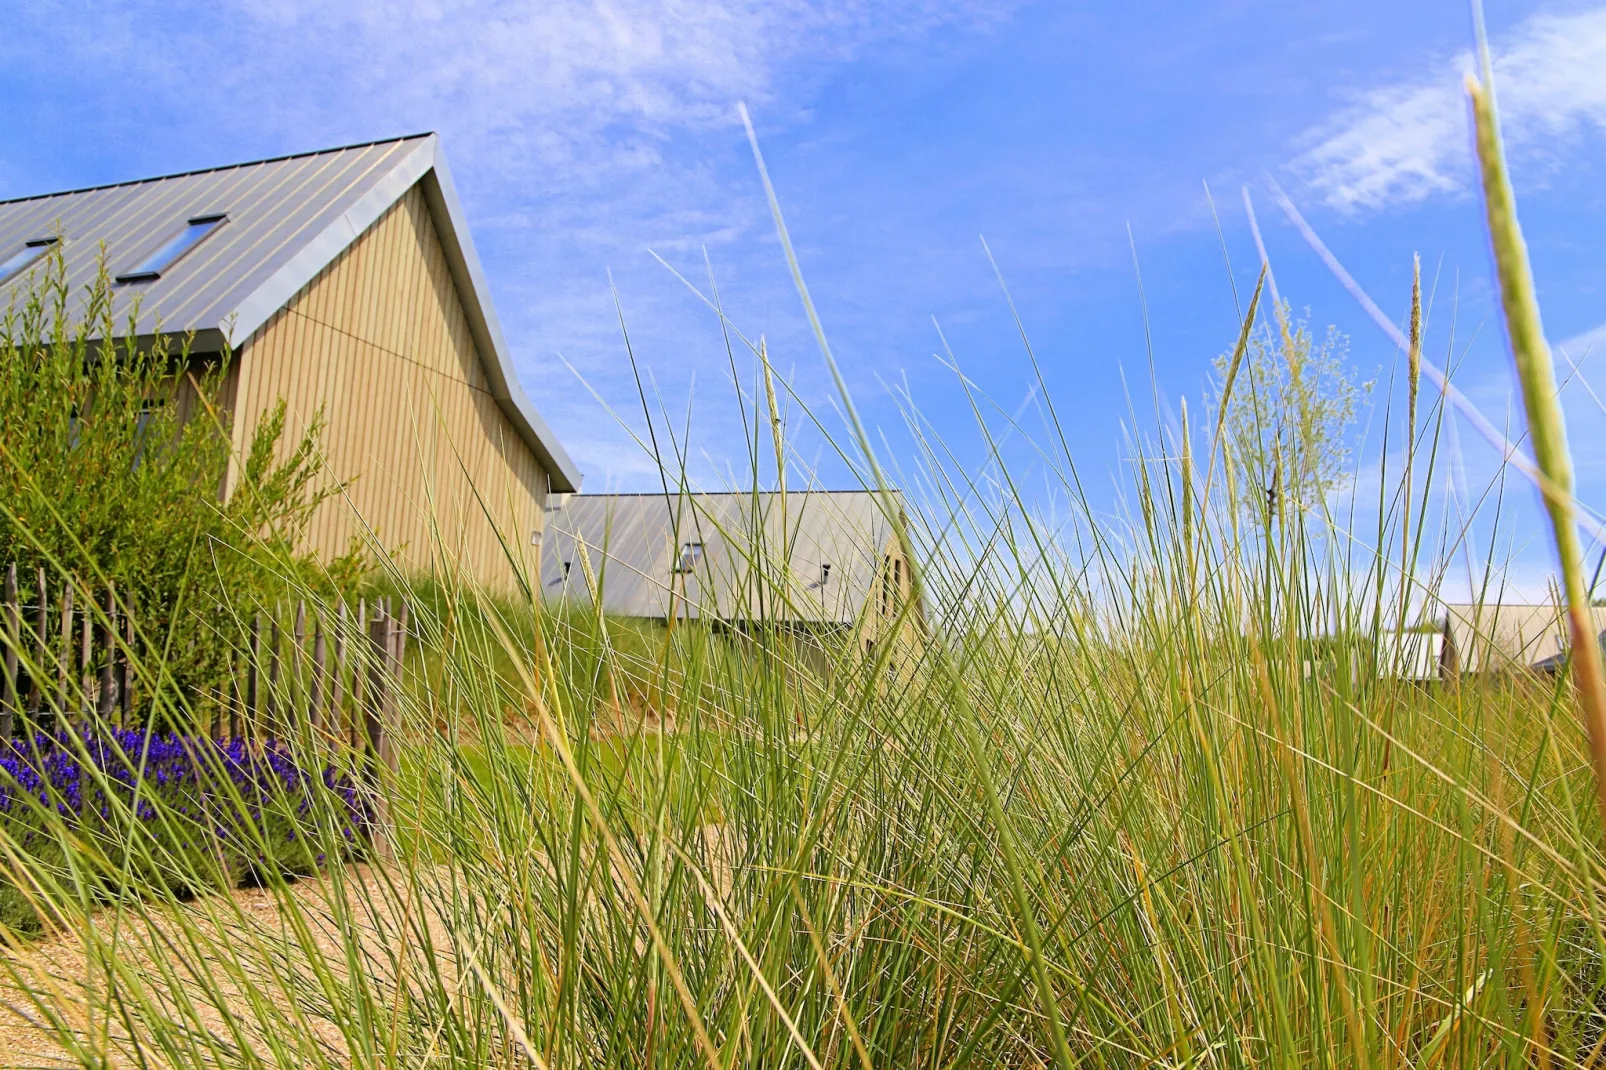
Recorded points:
518,82
1586,343
1409,141
581,132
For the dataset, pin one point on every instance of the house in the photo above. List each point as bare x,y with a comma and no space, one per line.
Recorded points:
1506,638
1414,656
820,562
345,283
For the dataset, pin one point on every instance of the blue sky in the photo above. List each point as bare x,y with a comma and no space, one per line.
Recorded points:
582,135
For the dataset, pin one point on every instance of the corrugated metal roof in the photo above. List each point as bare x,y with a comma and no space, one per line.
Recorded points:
1496,638
275,208
288,218
634,542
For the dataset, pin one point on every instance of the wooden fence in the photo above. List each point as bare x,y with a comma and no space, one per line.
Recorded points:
73,652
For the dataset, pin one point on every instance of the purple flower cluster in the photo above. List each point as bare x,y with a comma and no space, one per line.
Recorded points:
252,806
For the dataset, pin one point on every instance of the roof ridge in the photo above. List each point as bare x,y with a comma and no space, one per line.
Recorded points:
220,167
297,214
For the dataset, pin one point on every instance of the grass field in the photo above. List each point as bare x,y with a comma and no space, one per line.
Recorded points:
1138,796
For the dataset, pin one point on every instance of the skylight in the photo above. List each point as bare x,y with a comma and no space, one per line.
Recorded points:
23,258
691,554
173,250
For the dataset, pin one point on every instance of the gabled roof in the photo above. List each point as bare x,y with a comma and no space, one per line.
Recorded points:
636,541
288,219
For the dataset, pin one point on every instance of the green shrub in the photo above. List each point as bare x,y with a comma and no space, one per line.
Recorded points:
112,468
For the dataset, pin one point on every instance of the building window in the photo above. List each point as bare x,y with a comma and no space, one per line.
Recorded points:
23,258
170,252
691,555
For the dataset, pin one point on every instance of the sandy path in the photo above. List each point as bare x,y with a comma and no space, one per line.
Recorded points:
386,921
254,921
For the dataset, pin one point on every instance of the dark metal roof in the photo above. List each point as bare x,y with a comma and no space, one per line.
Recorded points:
288,218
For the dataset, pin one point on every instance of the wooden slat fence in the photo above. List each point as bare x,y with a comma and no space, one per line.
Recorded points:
69,651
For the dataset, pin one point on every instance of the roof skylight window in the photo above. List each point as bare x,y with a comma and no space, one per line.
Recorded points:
691,555
23,258
195,231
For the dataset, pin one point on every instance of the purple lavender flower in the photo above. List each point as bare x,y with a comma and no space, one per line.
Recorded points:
193,794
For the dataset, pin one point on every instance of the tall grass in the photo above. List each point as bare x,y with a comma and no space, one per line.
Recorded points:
1541,399
1138,797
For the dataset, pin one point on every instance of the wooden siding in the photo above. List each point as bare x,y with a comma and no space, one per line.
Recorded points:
379,342
890,591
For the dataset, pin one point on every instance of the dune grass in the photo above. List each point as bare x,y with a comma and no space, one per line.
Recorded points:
1238,844
1139,796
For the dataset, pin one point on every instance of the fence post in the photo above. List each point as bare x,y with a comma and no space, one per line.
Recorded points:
106,701
378,669
337,686
64,658
359,690
298,669
125,685
248,714
86,655
8,705
36,691
320,654
380,711
401,638
272,704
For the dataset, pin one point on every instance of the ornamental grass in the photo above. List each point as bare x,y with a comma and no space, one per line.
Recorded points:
1140,787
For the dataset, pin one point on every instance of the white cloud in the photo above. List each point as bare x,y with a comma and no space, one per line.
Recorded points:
1589,343
517,81
580,132
1410,141
568,115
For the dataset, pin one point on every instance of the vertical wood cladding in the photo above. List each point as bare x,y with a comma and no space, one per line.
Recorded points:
890,590
379,343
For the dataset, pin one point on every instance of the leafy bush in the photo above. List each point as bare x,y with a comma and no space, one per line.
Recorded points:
112,468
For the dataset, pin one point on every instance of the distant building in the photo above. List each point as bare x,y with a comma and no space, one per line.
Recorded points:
1508,638
821,561
1414,656
344,282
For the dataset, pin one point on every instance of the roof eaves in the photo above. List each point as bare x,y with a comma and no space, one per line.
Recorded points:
322,249
475,292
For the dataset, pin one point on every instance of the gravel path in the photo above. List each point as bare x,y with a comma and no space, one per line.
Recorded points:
59,963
